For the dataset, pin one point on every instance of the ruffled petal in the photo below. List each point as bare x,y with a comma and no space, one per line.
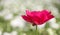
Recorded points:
26,18
45,12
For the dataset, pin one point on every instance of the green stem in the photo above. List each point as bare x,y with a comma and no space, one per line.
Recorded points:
37,33
36,30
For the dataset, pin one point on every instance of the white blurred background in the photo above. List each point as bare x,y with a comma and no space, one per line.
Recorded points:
11,22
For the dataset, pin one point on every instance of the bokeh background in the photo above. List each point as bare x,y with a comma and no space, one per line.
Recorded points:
11,22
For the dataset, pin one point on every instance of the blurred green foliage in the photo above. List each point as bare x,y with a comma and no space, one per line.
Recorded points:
1,8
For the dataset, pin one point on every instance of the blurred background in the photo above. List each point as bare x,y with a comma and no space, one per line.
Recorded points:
11,22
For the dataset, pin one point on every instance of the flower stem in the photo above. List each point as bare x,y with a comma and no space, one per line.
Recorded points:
37,33
36,29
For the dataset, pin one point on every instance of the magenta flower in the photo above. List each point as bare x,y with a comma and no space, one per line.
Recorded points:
37,17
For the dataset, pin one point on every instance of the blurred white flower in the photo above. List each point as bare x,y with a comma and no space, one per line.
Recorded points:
0,32
12,5
47,1
50,31
28,3
4,12
9,2
37,7
8,16
14,33
53,23
41,26
18,22
23,34
6,33
22,8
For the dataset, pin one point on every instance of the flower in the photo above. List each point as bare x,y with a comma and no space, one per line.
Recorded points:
37,17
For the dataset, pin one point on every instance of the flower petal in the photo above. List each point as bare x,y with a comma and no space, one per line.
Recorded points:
45,12
26,18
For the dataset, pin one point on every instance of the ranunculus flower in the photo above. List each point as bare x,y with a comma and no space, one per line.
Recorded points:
37,17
